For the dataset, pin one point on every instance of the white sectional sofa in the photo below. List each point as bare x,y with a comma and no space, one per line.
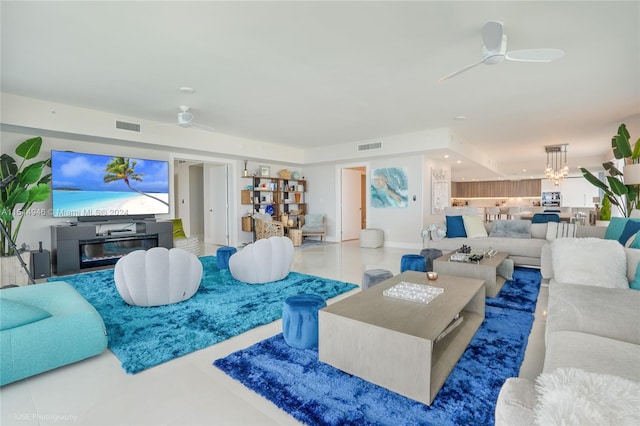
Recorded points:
523,250
591,372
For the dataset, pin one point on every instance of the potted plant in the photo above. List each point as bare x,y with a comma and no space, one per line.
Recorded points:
18,194
623,195
605,213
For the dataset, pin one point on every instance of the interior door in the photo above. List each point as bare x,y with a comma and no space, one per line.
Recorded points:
216,204
351,204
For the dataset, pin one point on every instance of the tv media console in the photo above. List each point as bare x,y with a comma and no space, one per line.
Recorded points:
80,246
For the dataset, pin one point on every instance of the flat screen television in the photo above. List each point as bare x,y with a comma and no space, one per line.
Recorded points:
104,187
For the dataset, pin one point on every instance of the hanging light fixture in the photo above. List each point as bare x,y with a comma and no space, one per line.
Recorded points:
557,167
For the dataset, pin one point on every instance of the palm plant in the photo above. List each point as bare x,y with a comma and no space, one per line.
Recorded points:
624,196
28,186
121,168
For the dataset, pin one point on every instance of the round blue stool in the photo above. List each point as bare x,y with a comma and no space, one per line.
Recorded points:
300,320
222,256
413,262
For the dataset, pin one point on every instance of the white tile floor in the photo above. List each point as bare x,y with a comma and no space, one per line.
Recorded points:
189,390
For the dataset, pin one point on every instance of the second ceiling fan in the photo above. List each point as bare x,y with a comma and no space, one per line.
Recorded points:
494,50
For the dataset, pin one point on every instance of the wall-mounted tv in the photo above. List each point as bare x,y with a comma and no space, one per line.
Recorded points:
95,187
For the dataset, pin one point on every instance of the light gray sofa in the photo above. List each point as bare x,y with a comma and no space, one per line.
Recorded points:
590,331
523,251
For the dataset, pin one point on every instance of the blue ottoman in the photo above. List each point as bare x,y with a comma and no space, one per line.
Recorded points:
413,262
222,256
300,320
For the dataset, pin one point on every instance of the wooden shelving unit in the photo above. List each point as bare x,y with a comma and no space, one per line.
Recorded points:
275,196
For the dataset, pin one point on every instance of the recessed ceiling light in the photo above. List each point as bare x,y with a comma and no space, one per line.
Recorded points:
446,156
524,170
187,90
459,161
460,117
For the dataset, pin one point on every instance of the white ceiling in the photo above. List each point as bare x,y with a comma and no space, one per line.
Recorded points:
309,74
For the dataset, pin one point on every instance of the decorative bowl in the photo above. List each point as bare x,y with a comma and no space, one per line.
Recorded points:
432,276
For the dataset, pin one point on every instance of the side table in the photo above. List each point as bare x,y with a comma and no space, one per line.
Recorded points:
296,236
485,270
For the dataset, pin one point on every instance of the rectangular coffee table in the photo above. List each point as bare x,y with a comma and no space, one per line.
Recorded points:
392,342
485,270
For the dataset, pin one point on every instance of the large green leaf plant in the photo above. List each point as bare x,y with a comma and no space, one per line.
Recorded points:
624,197
29,186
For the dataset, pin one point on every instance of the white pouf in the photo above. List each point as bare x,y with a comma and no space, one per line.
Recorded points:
266,260
371,238
157,276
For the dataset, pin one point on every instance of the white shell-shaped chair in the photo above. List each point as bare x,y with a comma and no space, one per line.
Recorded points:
266,260
157,276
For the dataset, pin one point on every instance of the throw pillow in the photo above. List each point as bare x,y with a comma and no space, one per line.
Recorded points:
474,227
630,228
560,230
313,220
615,227
570,396
589,261
455,227
635,284
511,229
178,230
636,241
15,314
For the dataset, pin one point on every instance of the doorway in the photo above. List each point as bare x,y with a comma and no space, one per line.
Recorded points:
202,199
353,192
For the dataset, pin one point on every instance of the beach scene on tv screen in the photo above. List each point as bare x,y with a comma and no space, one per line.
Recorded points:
100,185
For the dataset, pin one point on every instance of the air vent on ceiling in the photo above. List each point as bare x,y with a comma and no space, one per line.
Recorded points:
369,146
134,127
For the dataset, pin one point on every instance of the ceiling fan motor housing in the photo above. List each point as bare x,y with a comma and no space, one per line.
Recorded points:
184,118
497,55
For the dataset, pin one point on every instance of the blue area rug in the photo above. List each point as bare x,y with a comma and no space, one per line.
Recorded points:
520,293
318,394
142,337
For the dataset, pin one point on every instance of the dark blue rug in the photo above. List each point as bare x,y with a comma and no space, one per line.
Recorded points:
142,337
520,293
318,394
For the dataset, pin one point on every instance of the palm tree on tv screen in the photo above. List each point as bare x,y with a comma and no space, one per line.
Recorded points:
120,168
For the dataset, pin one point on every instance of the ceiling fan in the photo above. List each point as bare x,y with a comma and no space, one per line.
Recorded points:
185,119
494,50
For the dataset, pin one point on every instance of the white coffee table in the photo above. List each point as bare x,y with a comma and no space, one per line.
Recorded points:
485,270
393,342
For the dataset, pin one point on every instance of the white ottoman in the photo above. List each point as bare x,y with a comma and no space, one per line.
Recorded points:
371,238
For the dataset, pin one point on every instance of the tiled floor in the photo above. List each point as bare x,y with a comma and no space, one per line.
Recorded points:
189,390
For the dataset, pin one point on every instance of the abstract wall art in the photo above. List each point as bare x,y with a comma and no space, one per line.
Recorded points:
389,188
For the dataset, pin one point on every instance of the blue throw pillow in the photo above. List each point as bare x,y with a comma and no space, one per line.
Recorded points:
630,228
455,227
635,284
615,228
636,242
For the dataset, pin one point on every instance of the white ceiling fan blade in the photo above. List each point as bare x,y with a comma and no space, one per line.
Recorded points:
468,67
534,55
492,33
